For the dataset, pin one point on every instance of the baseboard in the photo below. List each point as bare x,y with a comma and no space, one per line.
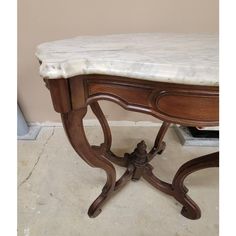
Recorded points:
93,122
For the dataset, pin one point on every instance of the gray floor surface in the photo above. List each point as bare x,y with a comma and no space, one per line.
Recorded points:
56,188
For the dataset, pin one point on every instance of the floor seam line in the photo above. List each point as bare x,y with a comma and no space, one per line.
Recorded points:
38,159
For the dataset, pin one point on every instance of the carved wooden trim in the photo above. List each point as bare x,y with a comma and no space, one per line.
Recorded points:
188,105
174,103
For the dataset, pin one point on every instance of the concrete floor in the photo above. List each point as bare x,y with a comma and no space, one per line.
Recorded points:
55,189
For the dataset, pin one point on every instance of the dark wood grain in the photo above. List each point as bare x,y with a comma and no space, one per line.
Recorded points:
174,103
59,91
189,105
185,106
104,124
190,208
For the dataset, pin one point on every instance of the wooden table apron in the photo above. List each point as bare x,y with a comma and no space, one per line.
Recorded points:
190,105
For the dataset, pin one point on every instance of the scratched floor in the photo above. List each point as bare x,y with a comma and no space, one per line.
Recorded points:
55,189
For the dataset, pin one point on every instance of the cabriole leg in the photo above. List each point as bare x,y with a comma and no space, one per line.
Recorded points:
73,125
159,144
190,208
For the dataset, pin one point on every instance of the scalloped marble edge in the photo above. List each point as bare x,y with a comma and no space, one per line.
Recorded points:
181,74
66,70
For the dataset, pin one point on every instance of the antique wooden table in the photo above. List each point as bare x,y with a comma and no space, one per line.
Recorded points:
173,77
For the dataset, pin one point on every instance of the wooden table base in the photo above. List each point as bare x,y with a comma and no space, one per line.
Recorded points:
181,104
137,163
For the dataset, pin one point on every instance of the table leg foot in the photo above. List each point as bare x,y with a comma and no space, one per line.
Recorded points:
96,208
190,209
73,125
192,213
177,189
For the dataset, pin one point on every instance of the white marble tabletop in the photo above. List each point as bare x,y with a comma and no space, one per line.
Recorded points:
165,57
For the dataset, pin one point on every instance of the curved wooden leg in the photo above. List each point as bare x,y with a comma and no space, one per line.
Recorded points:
105,127
156,182
104,149
73,125
190,208
126,177
159,145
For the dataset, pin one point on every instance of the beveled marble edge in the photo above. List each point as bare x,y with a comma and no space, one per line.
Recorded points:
172,73
164,73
